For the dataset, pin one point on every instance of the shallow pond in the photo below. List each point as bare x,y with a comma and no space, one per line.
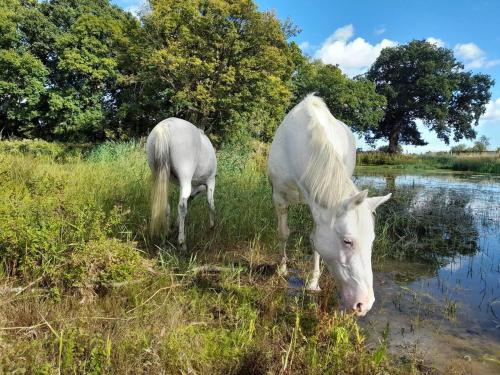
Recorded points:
448,312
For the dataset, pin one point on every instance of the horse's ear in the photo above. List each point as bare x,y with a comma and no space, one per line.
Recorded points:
374,202
354,201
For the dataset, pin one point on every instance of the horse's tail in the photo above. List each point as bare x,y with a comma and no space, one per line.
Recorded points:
161,174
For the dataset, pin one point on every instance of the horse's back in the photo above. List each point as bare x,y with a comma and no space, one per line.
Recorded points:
190,154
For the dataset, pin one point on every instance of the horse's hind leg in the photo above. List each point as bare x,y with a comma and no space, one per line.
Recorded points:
210,199
167,214
281,206
182,210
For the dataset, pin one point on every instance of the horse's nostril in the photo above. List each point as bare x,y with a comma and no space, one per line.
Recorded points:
359,307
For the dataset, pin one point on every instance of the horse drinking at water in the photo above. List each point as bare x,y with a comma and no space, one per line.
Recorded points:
311,161
178,149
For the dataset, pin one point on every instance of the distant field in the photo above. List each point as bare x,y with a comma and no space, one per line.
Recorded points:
466,162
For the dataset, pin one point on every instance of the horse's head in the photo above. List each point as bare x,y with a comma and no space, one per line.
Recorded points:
345,244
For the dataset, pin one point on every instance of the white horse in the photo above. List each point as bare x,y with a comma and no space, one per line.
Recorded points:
178,149
311,161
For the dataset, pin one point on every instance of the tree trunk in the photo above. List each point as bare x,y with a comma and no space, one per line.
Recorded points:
393,142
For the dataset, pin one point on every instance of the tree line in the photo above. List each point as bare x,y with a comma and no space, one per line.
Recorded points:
86,70
481,145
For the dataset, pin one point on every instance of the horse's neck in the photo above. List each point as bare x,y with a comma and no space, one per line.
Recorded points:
327,177
341,138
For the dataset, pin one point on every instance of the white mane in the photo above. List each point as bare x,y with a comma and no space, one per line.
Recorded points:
325,177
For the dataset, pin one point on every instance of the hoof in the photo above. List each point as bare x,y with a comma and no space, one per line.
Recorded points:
183,246
282,270
313,287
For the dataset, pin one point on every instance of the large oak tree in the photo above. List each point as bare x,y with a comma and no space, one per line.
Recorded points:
423,81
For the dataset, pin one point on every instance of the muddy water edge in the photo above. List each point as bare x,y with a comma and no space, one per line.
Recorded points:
443,304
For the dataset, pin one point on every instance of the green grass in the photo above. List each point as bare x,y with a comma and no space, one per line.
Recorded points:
103,298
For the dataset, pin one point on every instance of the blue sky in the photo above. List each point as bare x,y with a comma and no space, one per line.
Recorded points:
352,33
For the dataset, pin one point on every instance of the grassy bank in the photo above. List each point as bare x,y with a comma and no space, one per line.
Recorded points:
452,162
102,298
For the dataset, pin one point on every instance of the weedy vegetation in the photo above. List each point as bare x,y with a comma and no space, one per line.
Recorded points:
84,290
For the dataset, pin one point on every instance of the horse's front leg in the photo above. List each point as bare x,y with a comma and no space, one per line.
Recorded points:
283,231
182,211
313,283
210,199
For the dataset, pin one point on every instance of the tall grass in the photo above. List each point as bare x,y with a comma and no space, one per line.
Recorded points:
477,164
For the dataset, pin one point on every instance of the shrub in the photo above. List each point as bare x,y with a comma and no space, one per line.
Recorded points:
48,211
100,263
383,158
459,148
385,149
472,163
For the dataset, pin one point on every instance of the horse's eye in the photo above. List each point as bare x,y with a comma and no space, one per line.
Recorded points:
348,242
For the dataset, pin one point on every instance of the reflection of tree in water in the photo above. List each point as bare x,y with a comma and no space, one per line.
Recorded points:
390,182
427,225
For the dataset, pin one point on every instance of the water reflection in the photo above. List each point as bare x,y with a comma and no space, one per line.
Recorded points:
452,307
422,224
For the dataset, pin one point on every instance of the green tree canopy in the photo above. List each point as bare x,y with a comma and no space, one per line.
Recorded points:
85,69
353,101
426,82
23,76
221,64
458,148
85,64
481,144
60,65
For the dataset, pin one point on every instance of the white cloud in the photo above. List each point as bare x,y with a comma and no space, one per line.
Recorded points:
492,111
436,41
380,30
343,33
352,56
468,51
473,56
305,45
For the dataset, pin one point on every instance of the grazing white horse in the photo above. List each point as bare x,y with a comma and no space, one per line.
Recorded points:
178,149
311,161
